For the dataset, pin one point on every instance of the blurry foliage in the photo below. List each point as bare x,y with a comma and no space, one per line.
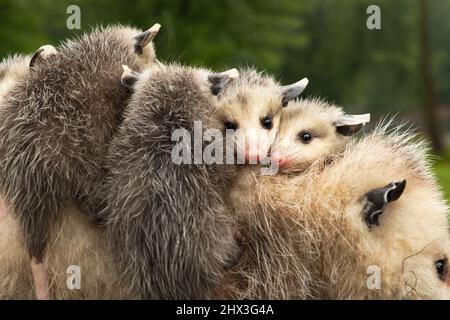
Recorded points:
442,170
326,40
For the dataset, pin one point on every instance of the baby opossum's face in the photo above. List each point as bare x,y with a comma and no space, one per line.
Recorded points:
249,110
310,130
252,117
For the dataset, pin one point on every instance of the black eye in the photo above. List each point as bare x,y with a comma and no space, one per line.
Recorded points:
230,125
267,122
441,268
305,137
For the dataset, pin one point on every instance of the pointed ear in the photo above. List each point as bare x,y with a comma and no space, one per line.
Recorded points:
219,80
129,77
292,91
377,200
42,53
349,125
144,38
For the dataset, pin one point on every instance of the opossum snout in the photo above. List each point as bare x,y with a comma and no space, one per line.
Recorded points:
282,161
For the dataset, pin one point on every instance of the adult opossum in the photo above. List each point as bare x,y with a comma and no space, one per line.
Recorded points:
371,223
78,258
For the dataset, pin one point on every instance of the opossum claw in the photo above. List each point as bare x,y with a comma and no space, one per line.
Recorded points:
42,53
144,38
292,91
377,200
219,80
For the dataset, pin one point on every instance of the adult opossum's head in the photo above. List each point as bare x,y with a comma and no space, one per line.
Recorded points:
14,68
386,221
249,110
411,224
312,129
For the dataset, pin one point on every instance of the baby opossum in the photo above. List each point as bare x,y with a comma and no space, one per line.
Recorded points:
311,129
370,224
55,127
250,108
14,68
168,222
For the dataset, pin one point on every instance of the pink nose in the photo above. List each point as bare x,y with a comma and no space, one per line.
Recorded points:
277,157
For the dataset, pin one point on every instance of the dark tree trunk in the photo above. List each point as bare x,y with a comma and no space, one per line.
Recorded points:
429,99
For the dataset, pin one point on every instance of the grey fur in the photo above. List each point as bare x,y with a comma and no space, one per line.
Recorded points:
55,127
172,235
9,62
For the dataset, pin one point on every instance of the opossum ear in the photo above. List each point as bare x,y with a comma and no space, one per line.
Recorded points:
129,77
350,124
144,38
42,53
292,91
219,80
377,200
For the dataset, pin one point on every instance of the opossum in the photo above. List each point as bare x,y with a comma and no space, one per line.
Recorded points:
250,109
78,257
168,222
307,130
387,205
16,67
311,129
55,127
370,224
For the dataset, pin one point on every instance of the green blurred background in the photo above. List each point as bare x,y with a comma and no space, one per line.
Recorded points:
403,69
